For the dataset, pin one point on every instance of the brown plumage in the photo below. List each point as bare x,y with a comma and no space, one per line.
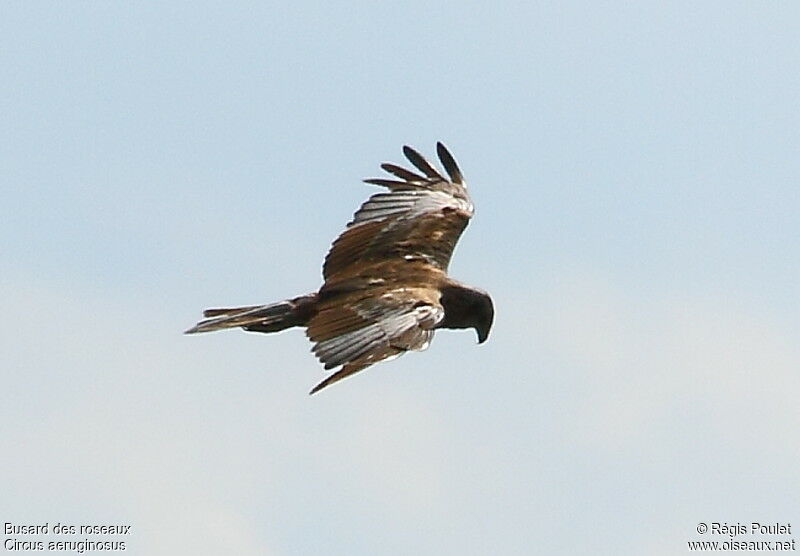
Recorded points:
386,286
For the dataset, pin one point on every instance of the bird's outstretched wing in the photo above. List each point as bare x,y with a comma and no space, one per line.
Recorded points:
363,328
419,219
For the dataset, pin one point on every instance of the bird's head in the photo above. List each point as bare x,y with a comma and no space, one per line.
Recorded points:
467,307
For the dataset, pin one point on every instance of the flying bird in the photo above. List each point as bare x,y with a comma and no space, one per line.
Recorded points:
386,289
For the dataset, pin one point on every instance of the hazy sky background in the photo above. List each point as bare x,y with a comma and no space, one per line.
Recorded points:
635,169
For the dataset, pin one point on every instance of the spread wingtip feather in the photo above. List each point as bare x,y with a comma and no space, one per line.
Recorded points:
422,165
449,163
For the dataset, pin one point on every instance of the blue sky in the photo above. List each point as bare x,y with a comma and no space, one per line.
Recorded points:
635,172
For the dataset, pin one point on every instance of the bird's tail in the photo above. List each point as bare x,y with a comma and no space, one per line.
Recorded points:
260,318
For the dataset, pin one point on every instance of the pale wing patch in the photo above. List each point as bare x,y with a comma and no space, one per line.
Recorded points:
407,204
403,328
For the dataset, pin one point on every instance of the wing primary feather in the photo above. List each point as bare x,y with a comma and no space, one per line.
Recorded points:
334,345
360,346
330,350
422,165
377,215
399,194
391,184
384,205
346,371
408,196
350,354
401,172
386,208
449,164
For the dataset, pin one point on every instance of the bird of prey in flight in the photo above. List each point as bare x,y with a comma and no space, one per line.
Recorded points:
386,288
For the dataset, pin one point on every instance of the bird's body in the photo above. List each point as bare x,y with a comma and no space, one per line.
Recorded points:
386,286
